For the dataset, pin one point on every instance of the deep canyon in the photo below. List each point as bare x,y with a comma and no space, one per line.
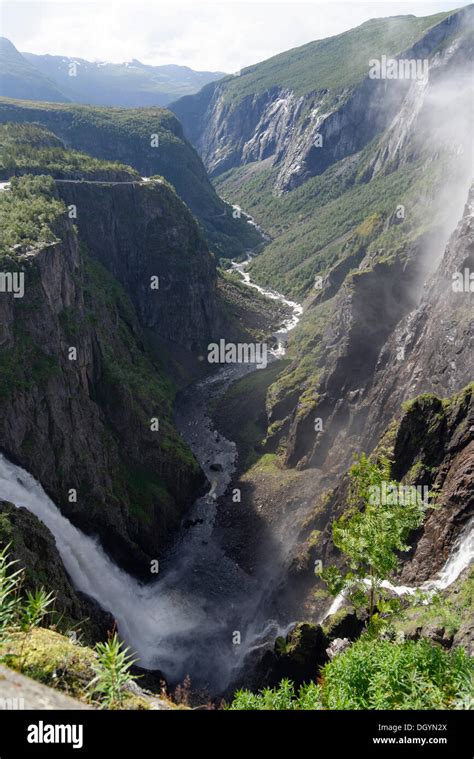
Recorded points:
301,206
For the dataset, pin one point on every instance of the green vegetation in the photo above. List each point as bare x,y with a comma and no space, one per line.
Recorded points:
446,611
24,365
145,488
281,698
10,581
112,672
377,675
371,533
28,135
30,214
335,62
19,614
126,122
407,675
96,676
32,149
151,141
312,226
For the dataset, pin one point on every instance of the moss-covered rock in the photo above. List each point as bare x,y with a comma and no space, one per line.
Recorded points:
298,656
62,663
53,659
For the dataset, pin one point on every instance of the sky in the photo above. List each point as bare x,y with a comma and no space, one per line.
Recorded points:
212,36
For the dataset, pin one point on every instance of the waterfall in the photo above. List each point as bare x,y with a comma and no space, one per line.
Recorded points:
184,621
461,557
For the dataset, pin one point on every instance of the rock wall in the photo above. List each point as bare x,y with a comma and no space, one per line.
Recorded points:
283,127
85,424
382,349
142,230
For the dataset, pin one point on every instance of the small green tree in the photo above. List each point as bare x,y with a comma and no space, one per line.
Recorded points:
372,531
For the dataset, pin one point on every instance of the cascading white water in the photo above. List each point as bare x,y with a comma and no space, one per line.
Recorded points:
151,618
461,557
297,309
184,621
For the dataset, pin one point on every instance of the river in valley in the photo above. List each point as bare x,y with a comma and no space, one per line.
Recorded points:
203,615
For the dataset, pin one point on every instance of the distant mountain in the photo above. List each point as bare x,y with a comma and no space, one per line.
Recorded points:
20,79
57,79
268,109
131,84
310,145
358,181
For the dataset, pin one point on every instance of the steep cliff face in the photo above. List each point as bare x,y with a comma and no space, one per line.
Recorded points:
382,349
359,182
431,445
282,127
435,446
436,339
141,232
78,389
358,224
412,398
151,141
324,116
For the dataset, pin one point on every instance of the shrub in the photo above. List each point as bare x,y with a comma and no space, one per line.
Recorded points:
371,535
375,674
10,584
282,698
112,672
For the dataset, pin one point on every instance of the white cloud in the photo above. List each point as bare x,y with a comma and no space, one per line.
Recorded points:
221,35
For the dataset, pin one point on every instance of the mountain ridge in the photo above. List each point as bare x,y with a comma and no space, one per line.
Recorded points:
129,84
61,78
